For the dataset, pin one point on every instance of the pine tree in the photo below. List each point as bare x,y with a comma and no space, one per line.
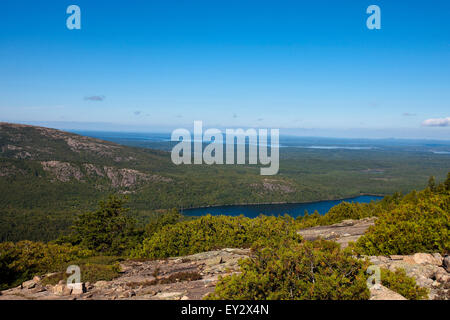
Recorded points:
107,230
432,183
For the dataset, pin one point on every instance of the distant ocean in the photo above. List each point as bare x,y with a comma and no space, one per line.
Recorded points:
162,141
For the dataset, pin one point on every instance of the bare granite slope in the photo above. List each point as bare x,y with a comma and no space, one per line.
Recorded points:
343,232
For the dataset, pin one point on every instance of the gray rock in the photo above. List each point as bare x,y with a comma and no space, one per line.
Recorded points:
438,256
101,284
61,290
77,288
169,295
442,277
426,258
30,284
379,292
343,232
446,263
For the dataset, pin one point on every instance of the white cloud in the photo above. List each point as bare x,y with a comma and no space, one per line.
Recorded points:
437,122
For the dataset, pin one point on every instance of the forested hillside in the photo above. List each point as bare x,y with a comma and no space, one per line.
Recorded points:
417,222
48,176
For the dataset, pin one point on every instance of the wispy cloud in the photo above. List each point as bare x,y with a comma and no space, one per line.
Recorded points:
407,114
95,98
437,122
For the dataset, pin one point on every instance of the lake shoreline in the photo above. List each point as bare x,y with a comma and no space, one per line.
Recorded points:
284,202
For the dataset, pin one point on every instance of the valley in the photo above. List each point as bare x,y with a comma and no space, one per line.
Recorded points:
49,176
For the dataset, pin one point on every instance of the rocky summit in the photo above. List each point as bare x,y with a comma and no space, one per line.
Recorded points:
188,277
427,269
342,232
193,277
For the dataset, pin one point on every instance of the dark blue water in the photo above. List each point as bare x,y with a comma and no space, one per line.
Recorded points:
293,209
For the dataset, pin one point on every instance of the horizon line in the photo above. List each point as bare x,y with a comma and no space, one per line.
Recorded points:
126,128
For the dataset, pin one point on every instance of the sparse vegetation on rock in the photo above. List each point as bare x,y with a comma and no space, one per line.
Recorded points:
399,282
23,260
291,271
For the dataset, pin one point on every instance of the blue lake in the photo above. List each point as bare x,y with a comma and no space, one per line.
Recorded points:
293,209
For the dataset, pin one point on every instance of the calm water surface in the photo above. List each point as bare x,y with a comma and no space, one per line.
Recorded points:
293,209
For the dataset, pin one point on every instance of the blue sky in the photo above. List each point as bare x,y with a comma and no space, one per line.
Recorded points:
307,67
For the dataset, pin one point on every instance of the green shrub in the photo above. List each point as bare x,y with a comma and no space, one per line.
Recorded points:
399,282
171,216
297,271
342,211
214,232
22,260
417,224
